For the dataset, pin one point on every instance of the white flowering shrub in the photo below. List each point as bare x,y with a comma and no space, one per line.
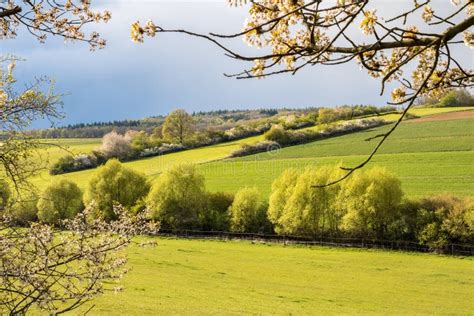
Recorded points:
162,150
86,161
259,147
117,146
278,137
57,271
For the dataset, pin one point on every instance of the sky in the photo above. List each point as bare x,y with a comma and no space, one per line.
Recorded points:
127,80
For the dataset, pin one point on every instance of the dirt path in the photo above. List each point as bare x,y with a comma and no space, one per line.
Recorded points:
444,117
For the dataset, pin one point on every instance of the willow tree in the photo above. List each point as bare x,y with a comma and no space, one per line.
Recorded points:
419,59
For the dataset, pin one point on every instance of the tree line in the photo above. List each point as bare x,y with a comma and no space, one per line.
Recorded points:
371,204
180,131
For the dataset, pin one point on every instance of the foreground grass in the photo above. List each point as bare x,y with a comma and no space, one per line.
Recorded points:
194,277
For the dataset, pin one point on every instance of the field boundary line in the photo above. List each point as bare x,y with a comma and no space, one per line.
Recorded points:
343,242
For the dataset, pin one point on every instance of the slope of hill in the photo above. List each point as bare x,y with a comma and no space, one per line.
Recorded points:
150,166
429,156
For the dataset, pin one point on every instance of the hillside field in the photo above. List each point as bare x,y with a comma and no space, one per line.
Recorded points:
428,156
193,277
196,277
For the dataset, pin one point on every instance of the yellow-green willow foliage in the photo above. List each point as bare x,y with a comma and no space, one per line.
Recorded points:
4,194
114,184
177,197
298,207
371,202
366,204
62,199
282,189
247,212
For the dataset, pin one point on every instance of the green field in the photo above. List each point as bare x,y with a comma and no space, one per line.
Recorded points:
422,112
193,277
429,158
150,166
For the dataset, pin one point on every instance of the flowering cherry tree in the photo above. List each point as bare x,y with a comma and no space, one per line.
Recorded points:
58,18
418,59
20,157
57,271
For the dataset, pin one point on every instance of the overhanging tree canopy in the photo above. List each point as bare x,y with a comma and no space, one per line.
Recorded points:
58,18
295,34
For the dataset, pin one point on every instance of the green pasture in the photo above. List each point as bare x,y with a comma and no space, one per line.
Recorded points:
149,166
421,174
429,157
196,277
422,112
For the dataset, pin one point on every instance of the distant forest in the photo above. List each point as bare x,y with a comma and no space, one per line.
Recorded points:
221,120
218,119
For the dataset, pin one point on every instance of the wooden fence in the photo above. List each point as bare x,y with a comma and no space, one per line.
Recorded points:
403,245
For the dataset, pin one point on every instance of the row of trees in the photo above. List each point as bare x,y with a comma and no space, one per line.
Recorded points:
370,204
179,133
455,97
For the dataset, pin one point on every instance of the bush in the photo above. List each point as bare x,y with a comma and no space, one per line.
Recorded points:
62,199
63,165
244,131
407,226
215,216
162,150
259,147
69,163
456,98
117,146
370,201
445,219
5,194
140,141
177,197
23,212
326,116
115,184
298,208
248,212
278,134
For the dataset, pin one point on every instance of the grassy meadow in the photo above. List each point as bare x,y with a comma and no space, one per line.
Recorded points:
150,166
429,157
422,112
195,277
